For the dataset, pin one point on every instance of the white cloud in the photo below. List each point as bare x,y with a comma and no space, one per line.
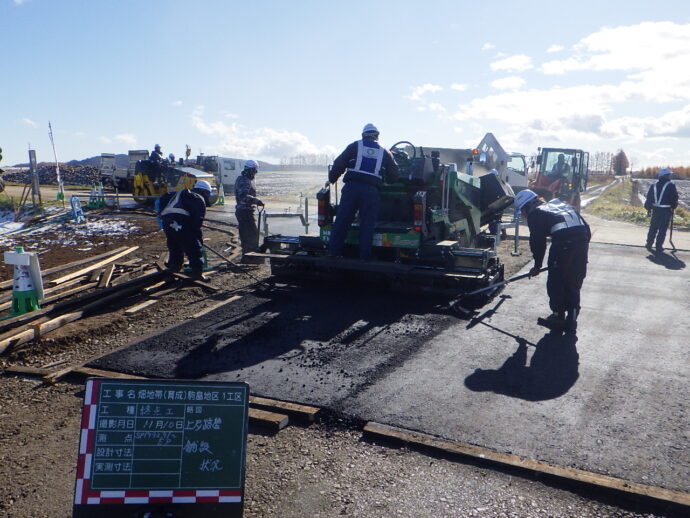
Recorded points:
229,115
176,103
646,46
127,138
20,2
29,122
508,83
460,87
488,46
555,48
105,140
79,134
262,143
519,62
419,91
436,107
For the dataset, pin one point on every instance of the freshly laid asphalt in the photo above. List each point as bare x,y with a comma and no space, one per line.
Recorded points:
610,399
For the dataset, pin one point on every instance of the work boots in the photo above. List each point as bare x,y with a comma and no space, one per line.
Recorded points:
556,321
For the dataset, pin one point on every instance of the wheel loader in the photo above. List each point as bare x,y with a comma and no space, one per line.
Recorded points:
428,236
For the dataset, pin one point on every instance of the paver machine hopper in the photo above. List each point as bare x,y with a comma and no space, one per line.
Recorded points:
428,236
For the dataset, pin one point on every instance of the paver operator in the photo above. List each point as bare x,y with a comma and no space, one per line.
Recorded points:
367,165
182,213
567,262
245,194
662,200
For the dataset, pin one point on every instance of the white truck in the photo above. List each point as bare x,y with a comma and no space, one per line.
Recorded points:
113,176
226,170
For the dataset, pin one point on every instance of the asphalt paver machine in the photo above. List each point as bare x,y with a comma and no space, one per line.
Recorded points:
428,236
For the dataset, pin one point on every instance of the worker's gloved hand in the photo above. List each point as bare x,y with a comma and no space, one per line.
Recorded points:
649,213
534,271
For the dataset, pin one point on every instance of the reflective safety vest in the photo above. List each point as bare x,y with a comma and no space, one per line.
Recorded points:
369,158
175,206
570,217
660,196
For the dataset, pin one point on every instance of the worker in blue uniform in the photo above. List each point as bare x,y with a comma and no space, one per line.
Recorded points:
182,213
366,164
156,155
661,201
567,262
247,202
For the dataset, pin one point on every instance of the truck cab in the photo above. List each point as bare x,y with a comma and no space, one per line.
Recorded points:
226,170
511,167
561,173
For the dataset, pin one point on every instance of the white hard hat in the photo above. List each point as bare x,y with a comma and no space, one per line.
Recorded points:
523,198
251,164
664,171
493,171
203,185
370,128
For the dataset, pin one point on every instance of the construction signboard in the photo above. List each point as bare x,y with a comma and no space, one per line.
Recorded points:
162,448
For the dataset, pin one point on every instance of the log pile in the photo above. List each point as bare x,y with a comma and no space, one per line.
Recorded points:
70,174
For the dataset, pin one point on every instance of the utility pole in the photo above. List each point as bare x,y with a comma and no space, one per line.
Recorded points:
61,191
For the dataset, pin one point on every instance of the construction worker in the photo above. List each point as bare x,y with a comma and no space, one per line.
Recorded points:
367,164
662,200
560,169
156,154
182,213
567,262
245,194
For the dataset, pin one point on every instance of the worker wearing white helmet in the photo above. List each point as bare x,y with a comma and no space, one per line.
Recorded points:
247,202
182,213
567,260
661,201
366,165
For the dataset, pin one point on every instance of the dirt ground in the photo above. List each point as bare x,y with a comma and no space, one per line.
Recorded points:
326,469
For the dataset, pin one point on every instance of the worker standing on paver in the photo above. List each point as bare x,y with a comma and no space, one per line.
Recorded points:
247,202
367,164
567,262
662,200
182,213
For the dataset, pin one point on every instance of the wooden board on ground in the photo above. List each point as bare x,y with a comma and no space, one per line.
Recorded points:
107,276
303,412
516,461
268,419
93,267
138,307
73,264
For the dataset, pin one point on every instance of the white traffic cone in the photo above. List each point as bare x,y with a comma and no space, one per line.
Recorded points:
27,288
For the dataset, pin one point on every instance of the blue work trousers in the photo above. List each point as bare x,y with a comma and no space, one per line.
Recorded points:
661,217
362,198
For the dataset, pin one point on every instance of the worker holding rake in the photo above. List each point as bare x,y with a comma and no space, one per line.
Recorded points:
567,262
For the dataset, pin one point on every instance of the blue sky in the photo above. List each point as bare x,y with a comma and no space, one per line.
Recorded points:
267,78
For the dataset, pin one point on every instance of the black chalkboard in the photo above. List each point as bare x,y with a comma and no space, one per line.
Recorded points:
166,448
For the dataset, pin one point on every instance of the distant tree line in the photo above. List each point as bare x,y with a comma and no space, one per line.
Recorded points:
679,172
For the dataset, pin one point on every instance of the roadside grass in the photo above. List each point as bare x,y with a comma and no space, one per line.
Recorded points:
619,203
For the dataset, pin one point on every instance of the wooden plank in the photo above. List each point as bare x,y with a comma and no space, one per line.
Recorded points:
197,282
7,305
100,373
107,276
509,459
269,419
132,274
138,307
73,264
93,267
31,371
303,412
216,306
